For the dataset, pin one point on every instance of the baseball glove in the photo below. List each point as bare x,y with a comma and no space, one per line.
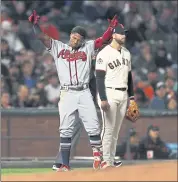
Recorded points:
132,112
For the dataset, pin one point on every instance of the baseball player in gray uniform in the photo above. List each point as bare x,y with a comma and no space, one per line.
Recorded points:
115,86
78,125
73,63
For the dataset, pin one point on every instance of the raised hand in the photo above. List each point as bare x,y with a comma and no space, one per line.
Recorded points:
34,18
114,22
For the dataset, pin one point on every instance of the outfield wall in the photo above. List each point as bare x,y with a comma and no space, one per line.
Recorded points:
34,132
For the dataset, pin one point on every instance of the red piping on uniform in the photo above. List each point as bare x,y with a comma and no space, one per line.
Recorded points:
70,73
76,71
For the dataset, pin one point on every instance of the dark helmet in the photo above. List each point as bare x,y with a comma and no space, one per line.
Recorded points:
80,30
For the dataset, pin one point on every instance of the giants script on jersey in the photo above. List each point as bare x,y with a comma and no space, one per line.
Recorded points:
72,56
117,63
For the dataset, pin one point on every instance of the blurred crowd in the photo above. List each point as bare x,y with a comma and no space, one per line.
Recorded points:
28,73
151,146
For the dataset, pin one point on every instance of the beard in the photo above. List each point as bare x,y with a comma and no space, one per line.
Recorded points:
120,42
74,46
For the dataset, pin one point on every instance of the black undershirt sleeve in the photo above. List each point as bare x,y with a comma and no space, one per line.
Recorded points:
100,84
130,86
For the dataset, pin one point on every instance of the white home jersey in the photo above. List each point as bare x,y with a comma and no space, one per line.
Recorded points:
73,67
117,64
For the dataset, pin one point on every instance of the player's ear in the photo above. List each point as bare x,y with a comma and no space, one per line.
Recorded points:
114,35
70,35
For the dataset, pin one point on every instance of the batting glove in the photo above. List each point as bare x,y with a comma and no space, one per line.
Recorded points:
34,18
114,22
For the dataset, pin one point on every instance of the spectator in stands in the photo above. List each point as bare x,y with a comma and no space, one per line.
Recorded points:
159,101
48,62
152,77
152,146
141,98
5,100
7,55
171,73
145,62
40,93
151,39
147,89
14,42
171,94
24,98
90,10
135,24
5,76
169,83
20,10
154,33
172,104
4,85
5,14
53,90
14,76
73,7
28,78
162,60
121,150
23,56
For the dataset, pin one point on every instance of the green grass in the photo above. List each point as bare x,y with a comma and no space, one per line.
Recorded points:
7,171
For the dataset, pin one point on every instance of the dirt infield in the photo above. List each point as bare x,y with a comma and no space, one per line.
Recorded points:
163,171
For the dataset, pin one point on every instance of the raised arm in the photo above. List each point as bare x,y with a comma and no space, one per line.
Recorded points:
46,40
107,34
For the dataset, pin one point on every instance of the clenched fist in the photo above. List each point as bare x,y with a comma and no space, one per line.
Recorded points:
114,22
34,18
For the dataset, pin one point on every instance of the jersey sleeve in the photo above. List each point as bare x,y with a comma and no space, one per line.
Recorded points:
55,47
91,46
101,62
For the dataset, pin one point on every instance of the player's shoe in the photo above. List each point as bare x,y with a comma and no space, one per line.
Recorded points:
97,160
56,166
105,165
63,168
117,163
60,167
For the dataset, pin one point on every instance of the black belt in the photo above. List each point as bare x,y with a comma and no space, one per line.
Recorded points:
75,88
121,89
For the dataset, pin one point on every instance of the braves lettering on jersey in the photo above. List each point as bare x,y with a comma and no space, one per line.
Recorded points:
117,64
73,67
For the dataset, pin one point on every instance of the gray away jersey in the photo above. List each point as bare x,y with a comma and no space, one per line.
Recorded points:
73,67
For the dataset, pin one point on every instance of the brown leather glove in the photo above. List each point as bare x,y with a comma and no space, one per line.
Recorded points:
132,112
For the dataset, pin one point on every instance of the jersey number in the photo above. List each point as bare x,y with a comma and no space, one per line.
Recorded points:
117,63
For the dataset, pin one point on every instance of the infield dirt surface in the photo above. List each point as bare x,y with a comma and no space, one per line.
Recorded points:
163,171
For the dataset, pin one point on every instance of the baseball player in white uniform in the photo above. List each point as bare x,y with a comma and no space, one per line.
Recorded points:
73,62
114,84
